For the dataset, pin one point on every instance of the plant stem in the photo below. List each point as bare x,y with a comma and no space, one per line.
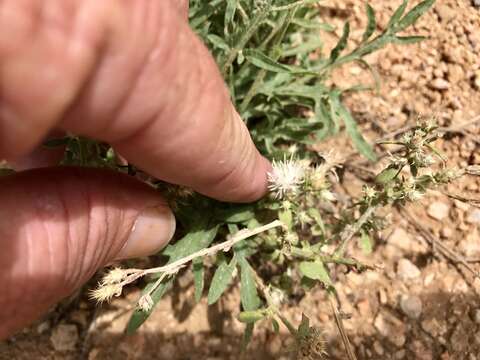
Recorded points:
350,230
224,246
232,55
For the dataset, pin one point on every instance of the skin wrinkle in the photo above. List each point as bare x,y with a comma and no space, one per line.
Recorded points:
122,103
71,250
163,45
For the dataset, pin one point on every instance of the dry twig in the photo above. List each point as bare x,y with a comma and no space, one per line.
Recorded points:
434,242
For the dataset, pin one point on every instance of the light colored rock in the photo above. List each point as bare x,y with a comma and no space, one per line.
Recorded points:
445,12
411,306
438,210
400,239
64,337
434,327
440,84
470,245
476,80
476,3
42,327
390,327
446,232
476,316
474,217
378,348
406,270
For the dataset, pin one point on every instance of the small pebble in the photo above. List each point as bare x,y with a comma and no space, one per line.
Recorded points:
477,316
64,337
440,84
438,210
411,306
407,270
474,217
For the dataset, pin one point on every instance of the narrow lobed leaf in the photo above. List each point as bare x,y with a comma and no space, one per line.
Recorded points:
412,16
371,25
342,43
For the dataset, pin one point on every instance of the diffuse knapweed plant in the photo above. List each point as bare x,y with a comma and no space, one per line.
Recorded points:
270,53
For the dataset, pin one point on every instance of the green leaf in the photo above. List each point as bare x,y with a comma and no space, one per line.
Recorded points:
200,236
315,270
412,16
198,278
313,24
236,214
230,12
404,40
276,326
315,214
248,288
218,42
304,326
262,61
397,14
371,25
221,280
342,43
139,316
387,175
197,239
366,243
285,216
352,129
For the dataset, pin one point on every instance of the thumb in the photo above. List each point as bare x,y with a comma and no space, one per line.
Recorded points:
59,225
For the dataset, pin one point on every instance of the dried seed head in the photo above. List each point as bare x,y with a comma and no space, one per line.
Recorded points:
145,303
106,292
286,178
114,276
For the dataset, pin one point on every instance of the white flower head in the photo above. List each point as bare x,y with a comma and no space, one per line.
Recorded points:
286,177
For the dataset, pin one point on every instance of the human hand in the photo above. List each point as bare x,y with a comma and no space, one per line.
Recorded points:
130,73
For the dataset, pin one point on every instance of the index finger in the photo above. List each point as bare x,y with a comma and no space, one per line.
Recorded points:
152,90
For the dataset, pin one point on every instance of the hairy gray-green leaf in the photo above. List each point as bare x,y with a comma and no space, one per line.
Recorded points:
315,270
248,288
221,280
342,43
366,243
412,16
404,40
352,129
313,24
371,25
262,61
236,214
397,14
230,12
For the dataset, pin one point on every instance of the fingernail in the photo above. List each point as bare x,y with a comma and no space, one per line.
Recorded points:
152,231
